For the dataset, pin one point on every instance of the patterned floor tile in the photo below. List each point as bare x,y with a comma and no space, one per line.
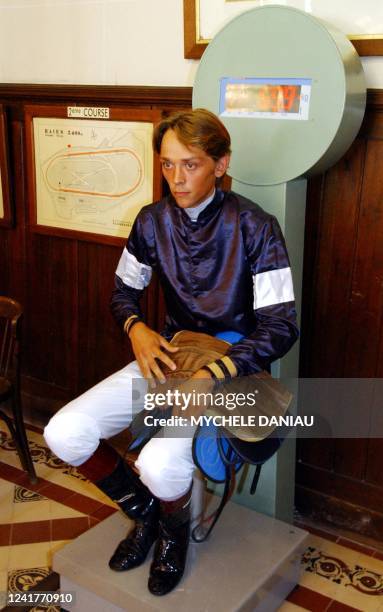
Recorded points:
23,580
55,492
46,609
367,550
290,607
3,587
55,546
309,599
60,511
4,558
31,532
374,563
357,600
6,501
347,555
338,606
68,529
337,576
30,555
345,575
30,511
5,534
49,467
316,582
21,495
78,486
33,506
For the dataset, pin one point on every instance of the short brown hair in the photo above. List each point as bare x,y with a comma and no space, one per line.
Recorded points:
195,128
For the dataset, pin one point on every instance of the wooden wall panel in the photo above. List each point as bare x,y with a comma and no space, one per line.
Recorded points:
102,347
338,224
331,230
373,472
70,338
12,241
343,319
51,314
364,323
5,265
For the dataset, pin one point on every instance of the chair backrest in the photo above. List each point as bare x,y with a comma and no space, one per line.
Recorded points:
10,314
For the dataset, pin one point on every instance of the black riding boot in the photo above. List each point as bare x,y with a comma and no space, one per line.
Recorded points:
124,486
170,551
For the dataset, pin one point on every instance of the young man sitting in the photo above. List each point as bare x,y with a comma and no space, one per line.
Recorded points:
222,264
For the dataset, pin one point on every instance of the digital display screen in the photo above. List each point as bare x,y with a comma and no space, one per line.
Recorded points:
267,98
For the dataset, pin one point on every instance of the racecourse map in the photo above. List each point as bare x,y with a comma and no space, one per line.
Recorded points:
91,175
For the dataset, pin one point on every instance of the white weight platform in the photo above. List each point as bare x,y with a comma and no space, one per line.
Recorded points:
250,562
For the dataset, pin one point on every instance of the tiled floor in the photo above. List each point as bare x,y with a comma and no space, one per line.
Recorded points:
36,520
338,574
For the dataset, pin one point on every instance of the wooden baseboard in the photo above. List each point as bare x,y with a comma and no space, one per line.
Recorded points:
338,513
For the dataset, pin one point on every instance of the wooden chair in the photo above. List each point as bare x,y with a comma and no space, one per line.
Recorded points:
10,318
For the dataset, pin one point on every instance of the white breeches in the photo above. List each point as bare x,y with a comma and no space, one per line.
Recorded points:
74,432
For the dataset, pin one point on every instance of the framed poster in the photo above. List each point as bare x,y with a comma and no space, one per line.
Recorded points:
203,18
90,170
6,217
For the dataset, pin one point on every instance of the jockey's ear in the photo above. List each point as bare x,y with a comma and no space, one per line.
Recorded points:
221,165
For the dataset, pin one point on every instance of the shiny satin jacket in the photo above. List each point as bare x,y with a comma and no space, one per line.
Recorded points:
229,270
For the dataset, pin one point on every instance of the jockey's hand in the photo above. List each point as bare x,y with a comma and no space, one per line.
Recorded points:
149,348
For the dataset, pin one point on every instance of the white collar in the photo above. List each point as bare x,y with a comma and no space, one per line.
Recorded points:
195,211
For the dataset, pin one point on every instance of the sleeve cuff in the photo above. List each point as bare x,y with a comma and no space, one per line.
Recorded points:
222,369
132,320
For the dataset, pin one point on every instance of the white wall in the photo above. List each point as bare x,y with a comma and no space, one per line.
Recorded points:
114,42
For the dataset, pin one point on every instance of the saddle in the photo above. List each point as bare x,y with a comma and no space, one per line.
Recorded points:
220,452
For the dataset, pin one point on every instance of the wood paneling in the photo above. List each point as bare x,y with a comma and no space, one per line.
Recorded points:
106,347
142,96
51,325
343,320
64,283
338,224
364,322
